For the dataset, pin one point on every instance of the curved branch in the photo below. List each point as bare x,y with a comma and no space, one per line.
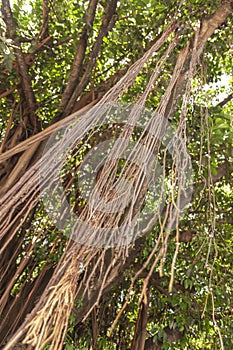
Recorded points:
210,23
7,92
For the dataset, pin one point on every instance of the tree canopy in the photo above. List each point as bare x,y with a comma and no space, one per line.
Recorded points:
61,63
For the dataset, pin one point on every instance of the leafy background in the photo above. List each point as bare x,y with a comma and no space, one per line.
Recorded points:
198,313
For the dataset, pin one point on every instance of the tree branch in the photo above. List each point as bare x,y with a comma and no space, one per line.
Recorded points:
7,92
80,54
138,342
225,101
107,24
24,145
210,23
20,60
208,26
44,32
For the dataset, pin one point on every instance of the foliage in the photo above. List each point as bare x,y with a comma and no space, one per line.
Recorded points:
197,314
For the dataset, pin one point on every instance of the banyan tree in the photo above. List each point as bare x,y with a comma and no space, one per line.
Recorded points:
115,173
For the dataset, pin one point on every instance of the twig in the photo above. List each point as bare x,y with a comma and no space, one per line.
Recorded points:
225,101
7,92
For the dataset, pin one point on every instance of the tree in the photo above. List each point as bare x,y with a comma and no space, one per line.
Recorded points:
170,287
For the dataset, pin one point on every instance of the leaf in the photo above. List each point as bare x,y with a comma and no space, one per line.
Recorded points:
213,169
69,347
160,7
9,59
186,284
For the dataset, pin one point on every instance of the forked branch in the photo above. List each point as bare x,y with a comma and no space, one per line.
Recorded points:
108,21
80,54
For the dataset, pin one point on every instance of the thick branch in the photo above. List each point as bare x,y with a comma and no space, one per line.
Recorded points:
26,83
8,19
44,32
138,342
210,23
21,64
208,26
80,54
107,24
